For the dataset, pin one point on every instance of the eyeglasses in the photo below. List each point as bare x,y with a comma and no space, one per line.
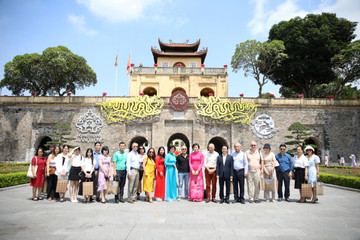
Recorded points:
151,151
135,146
282,148
253,145
308,150
183,149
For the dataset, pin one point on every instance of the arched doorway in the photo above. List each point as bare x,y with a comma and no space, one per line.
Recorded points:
178,89
41,142
206,92
178,140
139,140
219,142
179,64
150,91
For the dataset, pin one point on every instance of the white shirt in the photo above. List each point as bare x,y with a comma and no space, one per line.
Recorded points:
224,159
75,160
300,162
86,163
210,159
60,167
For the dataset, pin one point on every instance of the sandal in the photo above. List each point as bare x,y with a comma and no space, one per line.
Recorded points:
40,198
35,199
61,200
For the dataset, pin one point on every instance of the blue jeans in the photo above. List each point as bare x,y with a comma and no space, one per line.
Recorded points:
184,177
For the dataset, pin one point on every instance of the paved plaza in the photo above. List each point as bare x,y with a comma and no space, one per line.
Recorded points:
337,216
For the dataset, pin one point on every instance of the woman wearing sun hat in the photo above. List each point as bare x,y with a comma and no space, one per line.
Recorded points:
312,170
268,165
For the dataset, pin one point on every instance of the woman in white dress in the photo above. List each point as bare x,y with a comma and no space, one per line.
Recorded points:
312,170
62,168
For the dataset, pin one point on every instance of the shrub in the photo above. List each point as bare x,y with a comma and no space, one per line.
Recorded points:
12,179
346,181
338,166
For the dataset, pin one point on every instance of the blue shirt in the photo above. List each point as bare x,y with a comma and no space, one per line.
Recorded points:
285,162
96,156
133,161
240,161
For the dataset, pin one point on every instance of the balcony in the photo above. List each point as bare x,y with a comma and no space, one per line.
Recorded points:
178,70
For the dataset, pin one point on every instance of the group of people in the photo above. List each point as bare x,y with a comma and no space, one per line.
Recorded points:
175,176
341,160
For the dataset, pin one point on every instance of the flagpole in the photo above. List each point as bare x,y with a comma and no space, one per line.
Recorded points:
116,71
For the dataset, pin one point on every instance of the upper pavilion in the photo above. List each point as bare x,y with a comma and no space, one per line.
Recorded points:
178,67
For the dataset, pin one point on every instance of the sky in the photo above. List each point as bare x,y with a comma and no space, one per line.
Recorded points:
97,29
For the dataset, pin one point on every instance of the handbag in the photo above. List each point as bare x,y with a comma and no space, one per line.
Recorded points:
262,183
61,186
30,172
306,190
88,188
113,187
320,188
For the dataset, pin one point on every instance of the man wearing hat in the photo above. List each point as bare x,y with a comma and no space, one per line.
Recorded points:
284,172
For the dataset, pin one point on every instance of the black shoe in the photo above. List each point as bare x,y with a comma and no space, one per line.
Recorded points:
287,199
256,201
221,201
227,201
279,199
117,201
122,200
242,201
98,199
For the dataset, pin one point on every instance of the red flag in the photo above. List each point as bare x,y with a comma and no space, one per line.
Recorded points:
128,64
116,59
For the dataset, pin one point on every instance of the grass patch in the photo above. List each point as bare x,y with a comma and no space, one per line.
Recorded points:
13,168
342,171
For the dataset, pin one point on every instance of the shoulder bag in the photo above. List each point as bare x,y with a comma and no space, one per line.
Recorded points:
30,172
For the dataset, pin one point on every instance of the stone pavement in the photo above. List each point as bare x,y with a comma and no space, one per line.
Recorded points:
337,216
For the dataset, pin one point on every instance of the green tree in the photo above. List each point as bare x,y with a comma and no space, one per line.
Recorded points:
61,130
346,66
258,59
310,44
300,133
56,71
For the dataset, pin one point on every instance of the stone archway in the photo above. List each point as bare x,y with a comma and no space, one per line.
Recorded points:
178,89
150,91
139,140
41,141
219,142
178,140
206,92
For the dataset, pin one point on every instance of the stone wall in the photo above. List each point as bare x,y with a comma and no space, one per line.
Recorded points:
25,121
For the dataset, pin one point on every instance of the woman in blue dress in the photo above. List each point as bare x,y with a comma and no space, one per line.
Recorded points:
170,176
312,170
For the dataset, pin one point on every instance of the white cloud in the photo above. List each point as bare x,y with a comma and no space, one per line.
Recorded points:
349,9
80,23
264,18
163,20
118,10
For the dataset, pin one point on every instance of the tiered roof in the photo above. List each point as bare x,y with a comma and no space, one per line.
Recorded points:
178,50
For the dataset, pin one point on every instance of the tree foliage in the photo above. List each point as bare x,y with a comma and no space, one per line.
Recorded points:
56,71
61,130
300,133
258,59
310,44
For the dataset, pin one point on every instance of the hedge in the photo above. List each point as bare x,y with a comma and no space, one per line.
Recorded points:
12,179
337,166
346,181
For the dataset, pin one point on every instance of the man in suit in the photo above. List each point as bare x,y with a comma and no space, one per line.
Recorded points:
224,172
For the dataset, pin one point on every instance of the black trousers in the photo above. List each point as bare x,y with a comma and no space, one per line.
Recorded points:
283,176
51,187
121,178
223,180
239,182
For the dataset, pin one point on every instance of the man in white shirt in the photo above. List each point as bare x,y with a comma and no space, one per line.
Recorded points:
240,173
132,167
210,172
